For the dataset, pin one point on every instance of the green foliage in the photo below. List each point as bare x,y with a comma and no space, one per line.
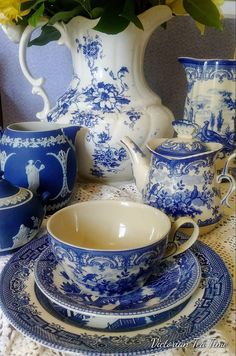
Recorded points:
112,21
36,16
48,34
203,11
65,16
114,15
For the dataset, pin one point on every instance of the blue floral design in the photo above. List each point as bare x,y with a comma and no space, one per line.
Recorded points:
133,116
175,204
109,158
103,137
70,288
91,47
86,105
171,189
105,97
85,119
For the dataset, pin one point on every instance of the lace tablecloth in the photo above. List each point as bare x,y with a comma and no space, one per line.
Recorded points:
221,239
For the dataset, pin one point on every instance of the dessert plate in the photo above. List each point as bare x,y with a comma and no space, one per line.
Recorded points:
110,323
176,280
22,308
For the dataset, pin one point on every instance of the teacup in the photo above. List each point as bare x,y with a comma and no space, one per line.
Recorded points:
110,247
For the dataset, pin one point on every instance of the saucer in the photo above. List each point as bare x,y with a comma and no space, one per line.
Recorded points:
113,323
22,308
176,280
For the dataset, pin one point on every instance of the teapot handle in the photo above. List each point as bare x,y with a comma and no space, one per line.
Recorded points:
37,83
225,176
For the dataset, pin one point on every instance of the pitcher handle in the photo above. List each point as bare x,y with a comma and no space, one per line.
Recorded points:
226,176
37,83
174,247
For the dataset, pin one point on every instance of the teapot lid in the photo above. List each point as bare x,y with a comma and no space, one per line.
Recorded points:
10,195
184,144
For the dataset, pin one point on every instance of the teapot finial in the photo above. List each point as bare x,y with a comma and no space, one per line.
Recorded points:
185,128
185,144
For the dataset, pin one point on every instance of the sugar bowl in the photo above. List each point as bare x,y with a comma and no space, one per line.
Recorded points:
21,215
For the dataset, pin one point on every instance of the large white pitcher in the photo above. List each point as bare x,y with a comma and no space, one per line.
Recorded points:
108,93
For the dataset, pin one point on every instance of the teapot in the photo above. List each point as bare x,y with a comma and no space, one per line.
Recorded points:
21,215
180,177
41,157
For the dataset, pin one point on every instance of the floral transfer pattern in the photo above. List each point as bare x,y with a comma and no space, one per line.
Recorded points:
192,193
122,272
88,106
174,281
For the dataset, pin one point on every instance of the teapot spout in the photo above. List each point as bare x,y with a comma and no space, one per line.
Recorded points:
140,163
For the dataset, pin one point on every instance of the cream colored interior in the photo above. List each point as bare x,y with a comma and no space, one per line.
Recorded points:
108,225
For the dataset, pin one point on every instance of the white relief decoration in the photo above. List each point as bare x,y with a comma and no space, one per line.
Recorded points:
62,158
19,197
25,234
32,169
33,142
53,207
3,159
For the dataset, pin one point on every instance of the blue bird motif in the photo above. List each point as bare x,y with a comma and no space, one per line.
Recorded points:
207,135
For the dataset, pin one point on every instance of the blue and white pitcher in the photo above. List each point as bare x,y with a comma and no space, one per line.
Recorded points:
41,157
180,179
108,93
211,102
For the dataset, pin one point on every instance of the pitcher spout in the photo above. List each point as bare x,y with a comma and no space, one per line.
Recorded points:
140,163
154,17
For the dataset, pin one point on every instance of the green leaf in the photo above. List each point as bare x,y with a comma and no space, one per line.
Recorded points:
63,5
97,12
111,22
203,11
48,34
129,13
33,20
85,5
65,16
26,5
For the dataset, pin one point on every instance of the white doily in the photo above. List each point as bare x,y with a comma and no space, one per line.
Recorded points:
220,340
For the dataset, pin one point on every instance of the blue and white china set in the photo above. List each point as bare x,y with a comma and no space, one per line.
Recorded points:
48,323
63,298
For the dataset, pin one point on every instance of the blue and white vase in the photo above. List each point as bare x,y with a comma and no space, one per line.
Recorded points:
40,157
211,102
108,93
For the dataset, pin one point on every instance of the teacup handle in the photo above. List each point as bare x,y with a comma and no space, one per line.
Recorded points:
174,248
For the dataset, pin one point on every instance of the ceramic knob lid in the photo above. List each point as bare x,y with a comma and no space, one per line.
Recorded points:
10,195
184,144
